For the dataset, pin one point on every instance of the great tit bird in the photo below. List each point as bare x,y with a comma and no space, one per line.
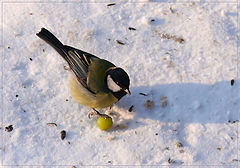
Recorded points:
94,82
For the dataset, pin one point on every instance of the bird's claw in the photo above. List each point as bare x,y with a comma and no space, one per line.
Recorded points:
96,113
90,115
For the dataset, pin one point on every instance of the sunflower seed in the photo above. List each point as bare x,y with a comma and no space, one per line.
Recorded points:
9,128
63,134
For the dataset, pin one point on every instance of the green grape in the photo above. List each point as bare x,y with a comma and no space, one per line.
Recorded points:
104,123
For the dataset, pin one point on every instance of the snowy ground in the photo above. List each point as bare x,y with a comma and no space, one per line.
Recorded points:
183,56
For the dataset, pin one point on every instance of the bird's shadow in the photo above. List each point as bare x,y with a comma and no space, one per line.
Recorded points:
181,102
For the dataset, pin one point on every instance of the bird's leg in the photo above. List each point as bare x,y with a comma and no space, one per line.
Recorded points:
97,113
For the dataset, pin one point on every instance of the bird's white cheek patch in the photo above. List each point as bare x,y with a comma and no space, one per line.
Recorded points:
112,85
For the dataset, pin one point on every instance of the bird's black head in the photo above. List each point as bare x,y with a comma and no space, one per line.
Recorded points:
117,81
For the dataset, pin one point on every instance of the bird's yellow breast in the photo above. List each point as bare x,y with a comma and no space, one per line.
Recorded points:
86,98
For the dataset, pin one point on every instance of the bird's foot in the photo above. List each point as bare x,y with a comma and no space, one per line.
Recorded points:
96,113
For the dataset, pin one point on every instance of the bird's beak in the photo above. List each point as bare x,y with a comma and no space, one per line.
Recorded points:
127,91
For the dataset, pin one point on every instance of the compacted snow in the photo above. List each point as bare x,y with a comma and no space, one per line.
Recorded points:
182,60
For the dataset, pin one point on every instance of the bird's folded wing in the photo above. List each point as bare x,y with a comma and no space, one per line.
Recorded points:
79,62
96,75
89,69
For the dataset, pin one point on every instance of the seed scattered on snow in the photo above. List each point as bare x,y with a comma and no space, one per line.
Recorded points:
131,28
52,124
171,161
167,148
179,145
163,101
180,40
181,151
149,104
171,10
9,128
219,148
111,138
121,126
63,134
232,122
131,108
120,42
143,94
171,37
111,4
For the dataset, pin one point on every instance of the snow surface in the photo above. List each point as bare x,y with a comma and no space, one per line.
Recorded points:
181,58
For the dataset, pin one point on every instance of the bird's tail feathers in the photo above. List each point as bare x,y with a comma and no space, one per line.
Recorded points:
47,36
